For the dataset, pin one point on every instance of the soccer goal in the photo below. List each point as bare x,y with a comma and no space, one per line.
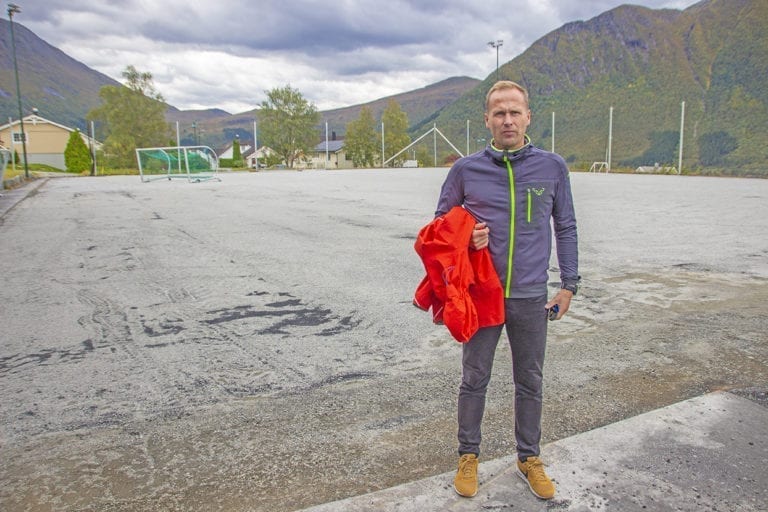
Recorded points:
193,163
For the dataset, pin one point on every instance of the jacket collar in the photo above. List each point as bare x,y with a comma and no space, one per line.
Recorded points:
499,154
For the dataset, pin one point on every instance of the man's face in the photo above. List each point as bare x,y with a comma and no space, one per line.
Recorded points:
507,118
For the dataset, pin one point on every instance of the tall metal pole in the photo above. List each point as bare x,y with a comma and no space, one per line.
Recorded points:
14,9
178,150
682,126
95,166
434,141
610,137
256,144
13,144
382,144
496,44
93,149
326,145
553,132
467,136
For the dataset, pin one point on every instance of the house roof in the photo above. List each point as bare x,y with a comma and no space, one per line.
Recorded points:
35,119
228,151
333,146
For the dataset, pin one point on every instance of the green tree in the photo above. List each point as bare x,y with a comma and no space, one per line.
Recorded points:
133,117
287,123
662,151
77,157
361,141
395,132
237,156
715,146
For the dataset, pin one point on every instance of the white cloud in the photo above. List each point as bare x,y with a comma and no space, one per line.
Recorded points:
226,54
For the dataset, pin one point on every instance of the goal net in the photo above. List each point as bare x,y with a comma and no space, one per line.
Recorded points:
193,163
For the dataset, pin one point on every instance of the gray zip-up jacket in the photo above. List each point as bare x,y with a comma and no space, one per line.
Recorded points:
516,193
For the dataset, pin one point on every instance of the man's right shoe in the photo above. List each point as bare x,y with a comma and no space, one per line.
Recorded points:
465,482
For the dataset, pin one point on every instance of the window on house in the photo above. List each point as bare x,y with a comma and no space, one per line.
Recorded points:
18,138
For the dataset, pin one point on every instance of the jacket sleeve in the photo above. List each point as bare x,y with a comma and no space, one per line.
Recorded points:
564,217
452,191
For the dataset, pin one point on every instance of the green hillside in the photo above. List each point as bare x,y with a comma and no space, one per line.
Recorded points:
220,127
61,88
645,63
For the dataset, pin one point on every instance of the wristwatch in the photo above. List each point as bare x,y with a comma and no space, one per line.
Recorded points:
572,286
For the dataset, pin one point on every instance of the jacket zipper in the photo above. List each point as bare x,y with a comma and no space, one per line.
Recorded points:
530,206
512,206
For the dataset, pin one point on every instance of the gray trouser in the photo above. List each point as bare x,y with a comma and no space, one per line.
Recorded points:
526,323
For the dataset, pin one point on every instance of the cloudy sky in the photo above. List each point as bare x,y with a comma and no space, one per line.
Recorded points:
226,53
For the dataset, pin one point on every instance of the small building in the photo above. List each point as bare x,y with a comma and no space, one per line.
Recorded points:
229,151
260,155
46,140
331,157
655,169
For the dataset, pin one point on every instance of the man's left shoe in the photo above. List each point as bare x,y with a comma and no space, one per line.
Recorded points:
532,471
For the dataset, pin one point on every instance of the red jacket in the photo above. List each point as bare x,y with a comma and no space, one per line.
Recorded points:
461,285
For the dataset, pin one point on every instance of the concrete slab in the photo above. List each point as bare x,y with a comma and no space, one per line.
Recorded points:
11,197
174,346
706,453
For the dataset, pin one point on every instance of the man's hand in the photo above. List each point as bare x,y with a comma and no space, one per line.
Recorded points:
563,301
479,239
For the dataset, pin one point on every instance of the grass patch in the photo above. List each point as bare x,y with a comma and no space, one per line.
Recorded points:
117,172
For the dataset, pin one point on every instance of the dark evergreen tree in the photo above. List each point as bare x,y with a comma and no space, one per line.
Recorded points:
77,157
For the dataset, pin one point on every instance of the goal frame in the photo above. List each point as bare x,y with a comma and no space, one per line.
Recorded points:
178,166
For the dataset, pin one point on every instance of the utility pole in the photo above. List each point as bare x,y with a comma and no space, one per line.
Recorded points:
14,9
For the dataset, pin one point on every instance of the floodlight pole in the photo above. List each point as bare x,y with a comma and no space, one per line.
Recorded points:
610,137
382,144
553,132
496,44
14,9
682,127
467,136
256,142
178,145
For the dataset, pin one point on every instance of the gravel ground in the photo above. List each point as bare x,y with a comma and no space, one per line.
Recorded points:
250,344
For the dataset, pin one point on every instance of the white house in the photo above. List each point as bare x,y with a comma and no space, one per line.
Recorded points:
331,157
229,151
261,154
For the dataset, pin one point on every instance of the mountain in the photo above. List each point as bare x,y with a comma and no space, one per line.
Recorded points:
420,104
644,63
64,90
61,88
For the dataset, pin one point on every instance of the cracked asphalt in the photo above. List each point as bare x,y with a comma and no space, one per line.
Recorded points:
250,344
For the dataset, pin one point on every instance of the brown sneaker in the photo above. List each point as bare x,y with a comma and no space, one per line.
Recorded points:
465,482
532,471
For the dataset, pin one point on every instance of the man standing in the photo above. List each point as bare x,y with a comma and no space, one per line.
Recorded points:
513,189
